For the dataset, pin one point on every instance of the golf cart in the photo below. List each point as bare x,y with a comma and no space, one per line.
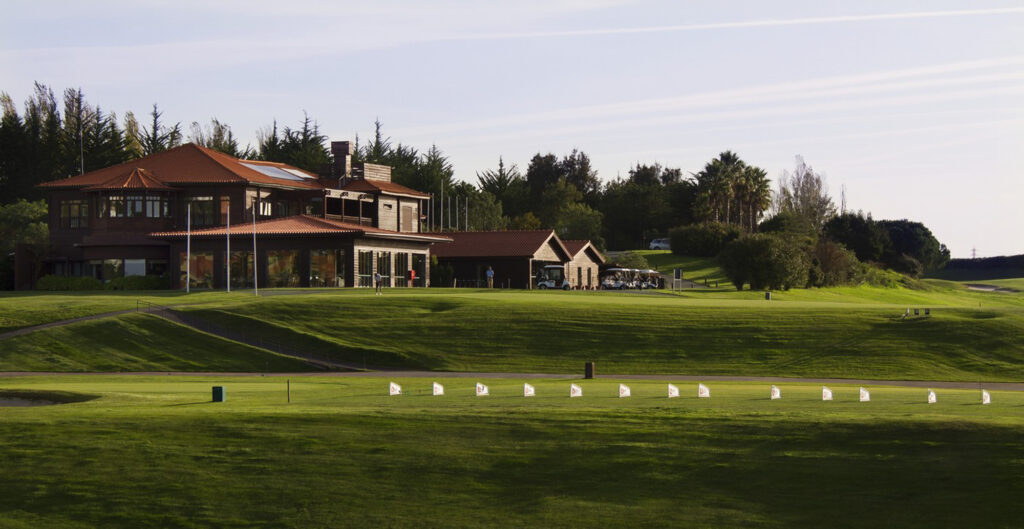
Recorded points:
617,279
552,276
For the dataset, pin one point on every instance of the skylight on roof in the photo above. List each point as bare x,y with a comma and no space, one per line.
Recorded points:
298,173
273,172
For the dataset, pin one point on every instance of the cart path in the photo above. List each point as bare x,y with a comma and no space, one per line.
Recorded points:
1000,386
61,323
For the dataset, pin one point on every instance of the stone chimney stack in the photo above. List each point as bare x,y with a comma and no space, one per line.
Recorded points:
342,151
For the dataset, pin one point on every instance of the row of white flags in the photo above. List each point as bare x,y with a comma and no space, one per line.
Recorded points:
673,391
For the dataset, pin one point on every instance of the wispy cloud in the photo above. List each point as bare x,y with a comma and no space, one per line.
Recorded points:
745,24
904,86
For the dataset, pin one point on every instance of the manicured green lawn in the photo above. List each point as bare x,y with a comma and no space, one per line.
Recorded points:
134,342
695,269
25,309
853,332
154,452
557,332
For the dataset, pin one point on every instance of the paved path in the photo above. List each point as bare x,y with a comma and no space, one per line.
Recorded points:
1000,386
59,323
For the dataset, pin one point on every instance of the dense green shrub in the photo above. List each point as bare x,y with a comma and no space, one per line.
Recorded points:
765,261
831,265
139,283
52,282
702,240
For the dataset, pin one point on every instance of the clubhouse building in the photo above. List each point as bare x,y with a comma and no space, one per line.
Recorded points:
200,216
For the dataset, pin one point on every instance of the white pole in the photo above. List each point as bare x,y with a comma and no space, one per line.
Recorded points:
441,224
255,273
188,247
227,261
467,215
457,213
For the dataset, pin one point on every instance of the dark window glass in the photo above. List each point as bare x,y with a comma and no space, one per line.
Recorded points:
366,269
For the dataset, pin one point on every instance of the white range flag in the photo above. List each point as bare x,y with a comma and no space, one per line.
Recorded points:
394,389
776,393
673,391
438,389
575,391
528,390
931,397
865,395
826,394
985,397
623,390
703,391
481,390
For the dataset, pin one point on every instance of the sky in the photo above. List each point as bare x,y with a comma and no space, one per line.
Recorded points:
915,108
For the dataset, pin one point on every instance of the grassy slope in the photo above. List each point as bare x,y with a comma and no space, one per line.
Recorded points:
694,268
637,333
25,309
152,452
134,342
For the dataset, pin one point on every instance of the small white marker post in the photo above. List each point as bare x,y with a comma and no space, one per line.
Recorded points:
673,391
528,390
703,392
575,391
985,397
438,389
931,397
865,395
826,394
481,390
623,391
776,393
394,389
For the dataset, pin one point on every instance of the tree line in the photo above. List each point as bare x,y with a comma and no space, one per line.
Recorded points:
728,201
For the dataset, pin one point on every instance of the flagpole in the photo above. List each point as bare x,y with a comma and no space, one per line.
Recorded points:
188,247
255,273
227,260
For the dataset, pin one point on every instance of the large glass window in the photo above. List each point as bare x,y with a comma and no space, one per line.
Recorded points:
282,268
74,214
366,269
202,211
134,267
384,267
200,273
241,269
157,206
401,269
323,268
135,205
112,206
419,266
156,267
112,268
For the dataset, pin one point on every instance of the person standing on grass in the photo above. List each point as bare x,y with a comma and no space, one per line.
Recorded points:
378,282
490,277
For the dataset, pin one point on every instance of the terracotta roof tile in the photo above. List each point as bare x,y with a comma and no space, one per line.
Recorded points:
372,186
297,225
135,178
496,243
191,164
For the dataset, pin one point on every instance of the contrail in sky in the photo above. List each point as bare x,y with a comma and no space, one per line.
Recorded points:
744,24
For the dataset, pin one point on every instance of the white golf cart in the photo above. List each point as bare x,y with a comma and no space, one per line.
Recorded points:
552,276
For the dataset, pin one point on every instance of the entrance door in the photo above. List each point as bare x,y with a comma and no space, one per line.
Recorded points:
579,277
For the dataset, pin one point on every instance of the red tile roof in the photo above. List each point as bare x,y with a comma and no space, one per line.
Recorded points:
577,246
191,164
135,178
381,186
498,244
299,225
